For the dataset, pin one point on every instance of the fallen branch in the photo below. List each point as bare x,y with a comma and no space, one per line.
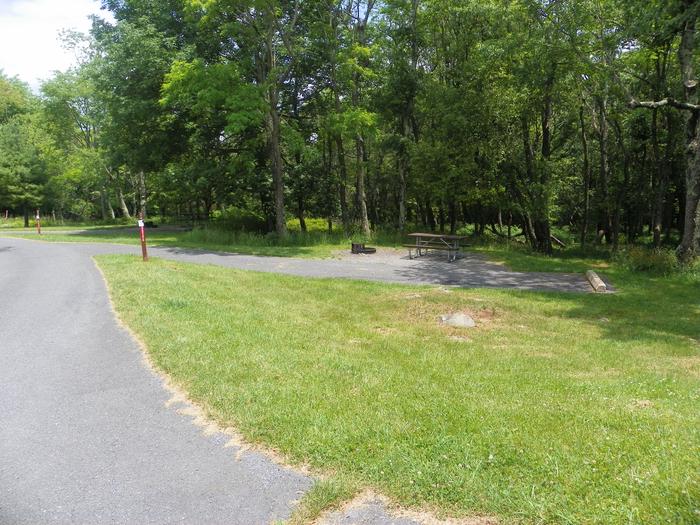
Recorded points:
557,241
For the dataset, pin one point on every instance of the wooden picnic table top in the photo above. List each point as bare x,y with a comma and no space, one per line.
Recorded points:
439,236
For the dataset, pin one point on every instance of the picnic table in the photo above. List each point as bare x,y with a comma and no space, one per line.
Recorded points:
435,241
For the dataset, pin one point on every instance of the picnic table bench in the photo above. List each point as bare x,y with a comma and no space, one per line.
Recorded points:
435,241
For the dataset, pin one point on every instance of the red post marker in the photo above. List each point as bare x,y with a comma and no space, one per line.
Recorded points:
142,231
38,222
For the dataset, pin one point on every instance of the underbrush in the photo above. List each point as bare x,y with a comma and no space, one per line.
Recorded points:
655,261
235,238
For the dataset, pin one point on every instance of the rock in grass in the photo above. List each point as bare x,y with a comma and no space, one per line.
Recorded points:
458,320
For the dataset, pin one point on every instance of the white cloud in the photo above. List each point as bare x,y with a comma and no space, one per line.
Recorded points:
29,35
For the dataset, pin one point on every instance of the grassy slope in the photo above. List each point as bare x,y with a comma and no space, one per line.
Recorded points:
558,408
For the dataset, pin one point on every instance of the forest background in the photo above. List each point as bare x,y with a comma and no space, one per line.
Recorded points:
520,118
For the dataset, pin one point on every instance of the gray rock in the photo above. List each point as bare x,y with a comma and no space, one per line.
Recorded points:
459,320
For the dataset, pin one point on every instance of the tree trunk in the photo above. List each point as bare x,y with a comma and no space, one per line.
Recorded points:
342,186
122,204
421,214
441,218
660,183
403,159
103,205
402,193
360,194
688,247
360,146
604,174
586,181
538,206
107,210
621,197
430,215
300,213
26,216
275,152
142,194
510,225
110,210
529,230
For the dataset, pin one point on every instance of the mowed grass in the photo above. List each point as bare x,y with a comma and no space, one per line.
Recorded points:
557,408
315,245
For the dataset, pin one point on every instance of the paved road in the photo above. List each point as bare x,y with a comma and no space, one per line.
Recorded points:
471,271
85,436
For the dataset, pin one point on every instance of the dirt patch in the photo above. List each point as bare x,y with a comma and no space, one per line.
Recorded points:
642,403
421,308
485,315
595,374
690,364
369,498
545,355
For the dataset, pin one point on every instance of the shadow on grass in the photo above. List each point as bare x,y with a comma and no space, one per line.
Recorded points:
296,245
648,310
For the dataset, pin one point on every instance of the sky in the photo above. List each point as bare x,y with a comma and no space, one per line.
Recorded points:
29,30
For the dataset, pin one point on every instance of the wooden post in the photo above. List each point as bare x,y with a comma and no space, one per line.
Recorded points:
38,222
142,232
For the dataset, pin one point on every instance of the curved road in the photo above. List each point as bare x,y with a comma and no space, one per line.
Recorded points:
85,433
85,436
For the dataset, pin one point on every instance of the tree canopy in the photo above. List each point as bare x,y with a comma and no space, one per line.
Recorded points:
517,117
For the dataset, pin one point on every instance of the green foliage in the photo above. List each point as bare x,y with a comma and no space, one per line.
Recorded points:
655,261
25,152
234,219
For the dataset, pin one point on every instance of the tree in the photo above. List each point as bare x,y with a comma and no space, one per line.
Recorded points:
686,20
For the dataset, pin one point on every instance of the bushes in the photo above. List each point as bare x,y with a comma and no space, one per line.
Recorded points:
312,225
657,261
237,219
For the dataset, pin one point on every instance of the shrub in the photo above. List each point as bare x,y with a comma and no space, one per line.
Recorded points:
656,261
237,219
312,225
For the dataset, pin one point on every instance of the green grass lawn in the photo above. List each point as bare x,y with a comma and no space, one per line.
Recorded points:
315,245
557,408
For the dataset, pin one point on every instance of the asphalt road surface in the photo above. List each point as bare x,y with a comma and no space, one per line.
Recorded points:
85,436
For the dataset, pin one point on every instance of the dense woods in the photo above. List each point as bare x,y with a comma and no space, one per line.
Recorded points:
510,116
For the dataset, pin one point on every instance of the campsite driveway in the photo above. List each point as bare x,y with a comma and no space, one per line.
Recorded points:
86,434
